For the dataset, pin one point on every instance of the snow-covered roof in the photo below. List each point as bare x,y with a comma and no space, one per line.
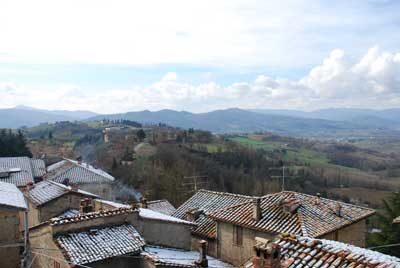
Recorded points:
176,257
21,170
11,196
162,206
69,213
101,243
154,215
77,172
46,191
113,204
297,251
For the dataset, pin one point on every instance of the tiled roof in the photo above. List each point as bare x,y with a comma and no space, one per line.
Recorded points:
178,258
299,252
208,201
162,206
91,215
69,213
46,191
397,220
100,243
23,169
38,168
79,173
314,217
11,196
23,174
154,215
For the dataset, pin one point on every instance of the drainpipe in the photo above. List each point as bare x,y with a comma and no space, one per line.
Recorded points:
26,237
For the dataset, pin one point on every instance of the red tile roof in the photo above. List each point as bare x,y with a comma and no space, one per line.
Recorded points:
313,217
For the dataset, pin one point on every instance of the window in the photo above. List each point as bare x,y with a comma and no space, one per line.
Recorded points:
237,235
56,264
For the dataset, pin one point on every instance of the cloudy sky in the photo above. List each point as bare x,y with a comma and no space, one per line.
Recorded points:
118,56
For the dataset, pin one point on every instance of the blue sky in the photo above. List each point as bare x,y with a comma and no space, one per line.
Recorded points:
199,55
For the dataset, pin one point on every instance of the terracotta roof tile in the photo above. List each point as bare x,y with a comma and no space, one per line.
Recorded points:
313,217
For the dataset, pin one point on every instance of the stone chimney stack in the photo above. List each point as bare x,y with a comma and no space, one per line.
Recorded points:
290,205
338,209
86,206
202,262
267,254
257,209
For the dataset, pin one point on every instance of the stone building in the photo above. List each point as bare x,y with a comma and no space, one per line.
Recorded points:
123,237
87,177
297,252
48,199
197,208
21,170
12,208
286,212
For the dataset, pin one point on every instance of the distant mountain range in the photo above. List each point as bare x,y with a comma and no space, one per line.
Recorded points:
27,116
327,122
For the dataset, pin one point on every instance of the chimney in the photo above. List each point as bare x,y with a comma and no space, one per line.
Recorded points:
86,206
257,209
318,199
338,209
193,214
267,254
73,187
143,202
290,205
202,262
30,186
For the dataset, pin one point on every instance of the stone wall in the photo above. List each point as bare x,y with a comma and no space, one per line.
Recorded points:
235,254
354,234
163,233
9,234
104,190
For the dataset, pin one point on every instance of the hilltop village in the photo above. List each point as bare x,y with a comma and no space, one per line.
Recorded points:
66,215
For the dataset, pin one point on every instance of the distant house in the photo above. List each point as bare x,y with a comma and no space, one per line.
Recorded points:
12,207
296,251
197,208
21,170
48,199
87,177
286,212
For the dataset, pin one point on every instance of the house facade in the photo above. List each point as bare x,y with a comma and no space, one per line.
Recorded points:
197,208
12,208
48,199
286,212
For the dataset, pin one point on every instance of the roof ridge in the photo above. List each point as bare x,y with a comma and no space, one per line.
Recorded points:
225,193
228,207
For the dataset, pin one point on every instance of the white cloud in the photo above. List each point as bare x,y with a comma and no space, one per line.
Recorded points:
373,82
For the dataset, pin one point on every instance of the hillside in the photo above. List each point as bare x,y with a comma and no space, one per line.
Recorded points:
243,121
26,116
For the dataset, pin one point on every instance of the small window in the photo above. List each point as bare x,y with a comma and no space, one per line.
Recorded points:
237,235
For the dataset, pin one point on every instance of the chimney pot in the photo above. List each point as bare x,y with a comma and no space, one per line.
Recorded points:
143,202
86,206
202,262
257,209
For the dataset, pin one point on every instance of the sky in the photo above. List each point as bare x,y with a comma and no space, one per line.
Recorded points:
119,56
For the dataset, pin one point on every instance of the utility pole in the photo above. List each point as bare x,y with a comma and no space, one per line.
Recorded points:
195,182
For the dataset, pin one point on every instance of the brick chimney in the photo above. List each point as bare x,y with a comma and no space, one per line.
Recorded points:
257,209
267,254
86,206
193,214
290,205
202,261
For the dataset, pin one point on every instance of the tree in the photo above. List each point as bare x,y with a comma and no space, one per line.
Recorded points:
141,134
13,144
390,232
